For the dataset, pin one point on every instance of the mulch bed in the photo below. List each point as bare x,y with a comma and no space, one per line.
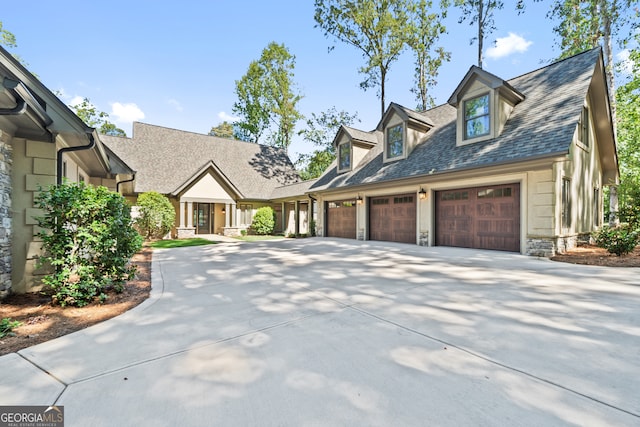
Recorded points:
593,255
42,321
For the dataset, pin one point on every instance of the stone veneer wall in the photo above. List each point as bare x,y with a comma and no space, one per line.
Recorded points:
5,214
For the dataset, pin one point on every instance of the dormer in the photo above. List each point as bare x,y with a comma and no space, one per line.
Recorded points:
484,103
351,147
402,130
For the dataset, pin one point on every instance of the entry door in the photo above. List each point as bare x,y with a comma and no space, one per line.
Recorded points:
203,220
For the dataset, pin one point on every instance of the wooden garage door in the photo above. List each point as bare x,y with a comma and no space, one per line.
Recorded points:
393,218
480,217
341,219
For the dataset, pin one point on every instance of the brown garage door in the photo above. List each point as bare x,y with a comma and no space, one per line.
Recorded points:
341,219
393,218
480,217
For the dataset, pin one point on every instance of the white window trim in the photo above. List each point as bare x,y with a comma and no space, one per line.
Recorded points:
386,157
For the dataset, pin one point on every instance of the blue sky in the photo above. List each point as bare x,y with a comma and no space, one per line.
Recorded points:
174,64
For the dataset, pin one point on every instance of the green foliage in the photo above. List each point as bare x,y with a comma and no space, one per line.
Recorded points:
264,220
266,96
312,228
6,327
88,240
156,215
629,202
96,119
7,39
619,240
223,130
375,27
181,243
320,130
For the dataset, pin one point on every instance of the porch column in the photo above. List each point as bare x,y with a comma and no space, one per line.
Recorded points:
234,217
189,214
296,217
227,214
182,214
283,219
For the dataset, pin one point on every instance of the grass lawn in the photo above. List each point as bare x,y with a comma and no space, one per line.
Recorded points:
253,238
181,243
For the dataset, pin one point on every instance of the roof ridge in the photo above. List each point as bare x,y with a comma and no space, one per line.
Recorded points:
556,62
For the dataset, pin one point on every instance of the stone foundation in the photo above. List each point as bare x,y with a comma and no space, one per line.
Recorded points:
549,246
185,232
233,231
5,216
423,239
360,235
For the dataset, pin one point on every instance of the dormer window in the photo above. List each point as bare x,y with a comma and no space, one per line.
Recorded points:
477,117
395,142
344,156
583,127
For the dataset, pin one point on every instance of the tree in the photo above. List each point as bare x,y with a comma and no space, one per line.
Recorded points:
480,12
88,240
223,130
253,105
585,24
320,131
267,97
96,119
424,30
376,27
156,215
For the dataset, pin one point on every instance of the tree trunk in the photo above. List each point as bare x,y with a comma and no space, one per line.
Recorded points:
613,206
383,78
607,12
480,32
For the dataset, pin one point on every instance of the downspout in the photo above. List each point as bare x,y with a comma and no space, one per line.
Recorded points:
92,143
18,110
124,182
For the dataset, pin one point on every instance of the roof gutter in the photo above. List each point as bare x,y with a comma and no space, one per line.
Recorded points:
89,146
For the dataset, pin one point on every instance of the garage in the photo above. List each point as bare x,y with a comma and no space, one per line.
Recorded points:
479,217
341,219
393,218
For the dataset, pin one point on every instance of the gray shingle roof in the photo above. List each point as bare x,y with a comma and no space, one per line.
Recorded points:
541,125
292,190
165,159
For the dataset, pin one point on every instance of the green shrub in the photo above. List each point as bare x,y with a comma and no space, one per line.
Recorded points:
157,215
619,240
312,228
6,327
264,220
87,240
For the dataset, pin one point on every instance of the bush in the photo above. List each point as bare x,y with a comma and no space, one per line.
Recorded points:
619,240
6,327
264,220
87,240
157,215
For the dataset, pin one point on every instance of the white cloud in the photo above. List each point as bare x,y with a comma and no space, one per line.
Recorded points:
509,45
227,117
75,100
126,113
624,64
175,104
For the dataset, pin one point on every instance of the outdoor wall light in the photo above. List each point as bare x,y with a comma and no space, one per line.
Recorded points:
422,194
359,200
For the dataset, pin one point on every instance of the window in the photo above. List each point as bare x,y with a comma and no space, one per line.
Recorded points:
476,117
64,169
395,146
404,199
583,126
494,192
344,154
455,195
246,214
566,203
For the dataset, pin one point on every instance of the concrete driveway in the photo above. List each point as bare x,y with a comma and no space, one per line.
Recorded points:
314,332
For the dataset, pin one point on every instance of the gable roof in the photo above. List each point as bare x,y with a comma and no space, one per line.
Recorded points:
540,126
412,117
357,135
488,79
167,160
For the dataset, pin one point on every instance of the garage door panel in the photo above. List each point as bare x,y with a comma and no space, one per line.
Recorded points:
393,218
481,217
341,219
